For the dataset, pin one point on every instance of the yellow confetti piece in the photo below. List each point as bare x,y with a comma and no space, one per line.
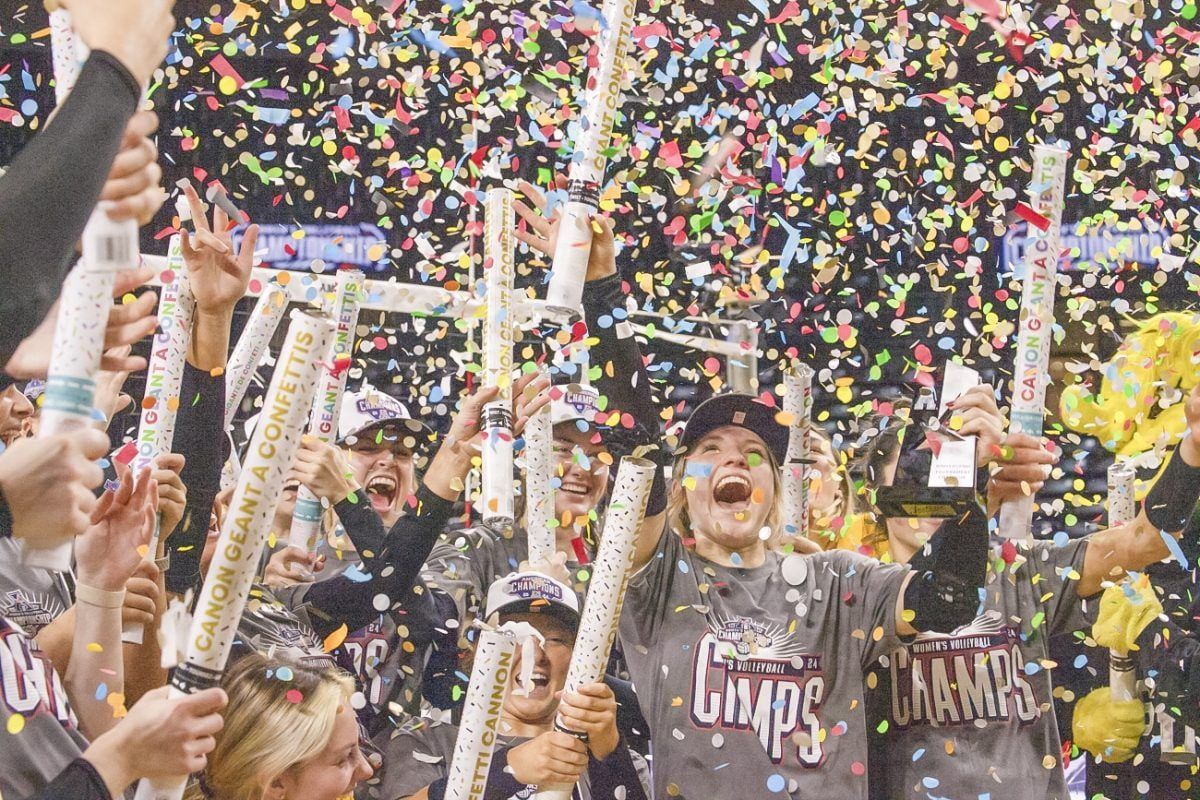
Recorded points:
676,702
949,747
1049,762
94,647
16,724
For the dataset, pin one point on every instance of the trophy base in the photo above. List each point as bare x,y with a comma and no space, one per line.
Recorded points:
927,502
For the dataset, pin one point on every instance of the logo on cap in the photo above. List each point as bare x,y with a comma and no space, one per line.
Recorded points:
529,587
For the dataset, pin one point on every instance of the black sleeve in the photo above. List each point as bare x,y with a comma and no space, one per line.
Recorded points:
1175,668
200,438
623,377
79,781
50,190
364,527
615,776
396,572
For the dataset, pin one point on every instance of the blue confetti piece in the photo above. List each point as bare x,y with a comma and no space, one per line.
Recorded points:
1173,546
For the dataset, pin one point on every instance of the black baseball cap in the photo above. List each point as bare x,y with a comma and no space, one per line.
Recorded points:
742,410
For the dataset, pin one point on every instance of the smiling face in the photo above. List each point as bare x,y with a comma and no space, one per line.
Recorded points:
580,464
549,672
385,467
332,773
729,479
16,415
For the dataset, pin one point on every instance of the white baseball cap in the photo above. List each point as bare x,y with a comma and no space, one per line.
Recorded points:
368,408
522,592
574,402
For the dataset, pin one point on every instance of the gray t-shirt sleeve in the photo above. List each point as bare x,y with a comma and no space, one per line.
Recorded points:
415,754
1045,593
868,590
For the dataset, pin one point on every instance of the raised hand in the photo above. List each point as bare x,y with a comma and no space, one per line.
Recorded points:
550,758
127,323
109,551
592,711
172,494
321,467
542,235
219,276
48,484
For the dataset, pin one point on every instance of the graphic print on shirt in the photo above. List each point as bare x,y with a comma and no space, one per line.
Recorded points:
753,676
368,651
975,673
28,683
31,610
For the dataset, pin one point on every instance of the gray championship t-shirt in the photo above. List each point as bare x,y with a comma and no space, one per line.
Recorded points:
40,736
970,714
752,679
418,752
32,598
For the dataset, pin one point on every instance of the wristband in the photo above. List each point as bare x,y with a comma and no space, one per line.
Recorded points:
98,597
1172,498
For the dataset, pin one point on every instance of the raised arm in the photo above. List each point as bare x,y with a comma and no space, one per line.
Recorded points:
623,378
1165,512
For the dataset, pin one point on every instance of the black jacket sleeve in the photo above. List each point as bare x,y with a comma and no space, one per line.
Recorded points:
623,377
615,776
1175,669
79,781
394,574
50,190
364,527
200,438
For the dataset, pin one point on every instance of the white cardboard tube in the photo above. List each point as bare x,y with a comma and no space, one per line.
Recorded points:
86,298
164,380
539,492
606,589
599,113
1122,673
480,725
252,345
797,402
327,403
499,271
239,547
1031,365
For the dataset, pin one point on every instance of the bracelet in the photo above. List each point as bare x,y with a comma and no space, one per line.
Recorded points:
99,597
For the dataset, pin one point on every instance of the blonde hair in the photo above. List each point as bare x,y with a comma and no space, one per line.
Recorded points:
280,714
1129,413
677,515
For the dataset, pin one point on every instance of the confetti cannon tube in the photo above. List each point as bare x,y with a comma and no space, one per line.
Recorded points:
78,343
327,404
164,378
252,345
599,112
1122,675
606,590
539,491
239,547
499,270
476,742
797,402
1030,370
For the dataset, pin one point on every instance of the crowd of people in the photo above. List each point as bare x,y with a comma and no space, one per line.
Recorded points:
870,656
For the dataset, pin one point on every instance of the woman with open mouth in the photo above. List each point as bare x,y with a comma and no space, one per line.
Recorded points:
740,654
